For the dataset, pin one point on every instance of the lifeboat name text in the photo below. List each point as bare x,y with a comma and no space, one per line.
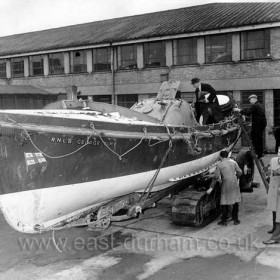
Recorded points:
94,141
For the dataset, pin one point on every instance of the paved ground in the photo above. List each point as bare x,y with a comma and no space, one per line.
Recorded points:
148,248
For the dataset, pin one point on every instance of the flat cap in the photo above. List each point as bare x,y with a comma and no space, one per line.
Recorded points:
194,81
252,96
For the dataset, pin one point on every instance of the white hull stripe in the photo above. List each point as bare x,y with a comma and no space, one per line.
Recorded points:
48,206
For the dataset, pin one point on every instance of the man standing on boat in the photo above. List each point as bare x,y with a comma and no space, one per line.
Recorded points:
259,123
207,107
228,170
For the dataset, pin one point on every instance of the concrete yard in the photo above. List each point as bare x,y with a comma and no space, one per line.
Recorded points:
150,247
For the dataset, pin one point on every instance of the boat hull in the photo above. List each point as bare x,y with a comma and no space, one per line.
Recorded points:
57,165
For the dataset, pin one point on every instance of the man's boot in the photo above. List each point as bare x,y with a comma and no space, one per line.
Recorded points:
273,222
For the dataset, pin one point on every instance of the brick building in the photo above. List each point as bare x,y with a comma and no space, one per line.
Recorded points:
233,46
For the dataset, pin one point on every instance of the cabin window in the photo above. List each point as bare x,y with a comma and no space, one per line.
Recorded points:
3,73
185,51
154,54
17,65
102,98
127,57
218,48
78,61
56,63
36,65
255,44
127,100
102,59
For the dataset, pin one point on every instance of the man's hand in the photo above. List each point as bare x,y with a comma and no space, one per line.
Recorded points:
236,110
209,191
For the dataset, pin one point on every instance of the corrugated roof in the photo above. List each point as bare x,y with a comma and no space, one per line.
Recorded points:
11,89
172,22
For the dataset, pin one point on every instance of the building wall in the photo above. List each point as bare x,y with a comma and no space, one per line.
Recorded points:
233,76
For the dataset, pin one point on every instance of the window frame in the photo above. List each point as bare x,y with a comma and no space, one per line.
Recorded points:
4,70
20,72
106,98
82,59
31,66
227,52
128,100
179,58
244,45
122,65
154,61
101,65
52,70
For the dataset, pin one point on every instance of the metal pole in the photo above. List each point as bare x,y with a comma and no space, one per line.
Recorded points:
113,74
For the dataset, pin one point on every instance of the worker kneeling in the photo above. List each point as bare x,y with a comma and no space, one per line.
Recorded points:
229,171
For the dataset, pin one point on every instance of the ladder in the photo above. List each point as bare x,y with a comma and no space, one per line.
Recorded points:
259,163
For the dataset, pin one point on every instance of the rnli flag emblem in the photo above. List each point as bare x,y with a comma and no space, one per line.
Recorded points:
34,159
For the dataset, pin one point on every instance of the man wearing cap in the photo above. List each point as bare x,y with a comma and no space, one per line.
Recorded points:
259,122
209,107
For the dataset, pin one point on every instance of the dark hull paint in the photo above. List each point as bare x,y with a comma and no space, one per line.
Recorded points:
70,163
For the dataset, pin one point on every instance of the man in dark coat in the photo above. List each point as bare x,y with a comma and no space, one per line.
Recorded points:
276,133
209,107
259,123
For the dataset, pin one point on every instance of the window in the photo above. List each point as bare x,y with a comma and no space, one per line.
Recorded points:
78,61
185,51
127,57
127,100
56,63
102,98
25,101
218,48
255,44
36,65
102,59
154,54
17,65
3,74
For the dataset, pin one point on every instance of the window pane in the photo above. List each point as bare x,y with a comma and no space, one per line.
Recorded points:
255,44
154,54
17,67
3,68
102,98
185,51
127,100
78,61
128,57
36,65
102,59
56,63
218,48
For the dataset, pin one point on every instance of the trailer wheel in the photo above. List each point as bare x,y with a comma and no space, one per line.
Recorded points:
246,163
